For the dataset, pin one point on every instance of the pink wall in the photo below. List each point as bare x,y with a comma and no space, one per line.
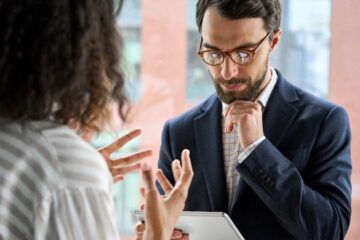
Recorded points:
345,85
162,72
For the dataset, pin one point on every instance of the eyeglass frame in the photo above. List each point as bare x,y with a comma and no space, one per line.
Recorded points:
228,53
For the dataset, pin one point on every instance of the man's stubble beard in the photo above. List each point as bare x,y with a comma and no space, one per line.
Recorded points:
250,93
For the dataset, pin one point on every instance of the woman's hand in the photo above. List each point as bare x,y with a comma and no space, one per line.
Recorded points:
120,166
161,213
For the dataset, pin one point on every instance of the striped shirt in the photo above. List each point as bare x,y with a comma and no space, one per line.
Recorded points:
233,153
53,185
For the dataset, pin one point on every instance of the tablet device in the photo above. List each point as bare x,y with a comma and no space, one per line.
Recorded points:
204,225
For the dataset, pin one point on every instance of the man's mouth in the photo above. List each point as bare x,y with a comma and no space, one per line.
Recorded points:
233,86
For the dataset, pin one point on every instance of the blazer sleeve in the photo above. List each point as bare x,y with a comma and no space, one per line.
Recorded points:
313,204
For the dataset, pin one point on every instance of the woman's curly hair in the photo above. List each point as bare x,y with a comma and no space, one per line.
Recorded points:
60,61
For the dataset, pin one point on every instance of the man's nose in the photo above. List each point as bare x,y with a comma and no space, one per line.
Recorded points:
229,69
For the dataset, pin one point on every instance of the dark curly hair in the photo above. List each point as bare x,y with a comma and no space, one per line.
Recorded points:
60,61
268,10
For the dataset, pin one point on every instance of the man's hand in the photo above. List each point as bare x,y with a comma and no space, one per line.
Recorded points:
119,167
247,116
161,213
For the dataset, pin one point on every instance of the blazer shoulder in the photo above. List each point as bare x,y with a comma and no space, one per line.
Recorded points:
318,104
303,99
307,104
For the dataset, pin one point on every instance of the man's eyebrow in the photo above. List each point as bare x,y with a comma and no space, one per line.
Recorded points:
243,46
208,45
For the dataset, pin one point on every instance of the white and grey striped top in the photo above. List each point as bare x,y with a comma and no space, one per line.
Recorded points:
53,185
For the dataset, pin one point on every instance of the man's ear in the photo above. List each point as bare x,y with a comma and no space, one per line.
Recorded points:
275,39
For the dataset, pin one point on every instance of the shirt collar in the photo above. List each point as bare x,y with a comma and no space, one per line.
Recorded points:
264,96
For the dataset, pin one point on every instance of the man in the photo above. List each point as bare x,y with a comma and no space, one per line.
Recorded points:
272,156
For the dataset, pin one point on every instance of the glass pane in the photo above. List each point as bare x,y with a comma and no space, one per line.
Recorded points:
129,23
198,80
199,84
126,193
304,52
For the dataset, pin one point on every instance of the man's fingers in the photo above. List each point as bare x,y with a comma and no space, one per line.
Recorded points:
239,117
164,182
239,111
236,119
243,104
120,142
227,109
228,125
124,161
238,108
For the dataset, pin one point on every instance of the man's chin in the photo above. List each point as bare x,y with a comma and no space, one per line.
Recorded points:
228,98
231,96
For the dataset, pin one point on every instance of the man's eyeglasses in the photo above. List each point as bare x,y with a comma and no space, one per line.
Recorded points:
239,56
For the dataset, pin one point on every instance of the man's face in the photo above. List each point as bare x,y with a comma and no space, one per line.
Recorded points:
233,81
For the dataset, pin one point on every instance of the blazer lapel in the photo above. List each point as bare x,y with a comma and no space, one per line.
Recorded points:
279,113
208,134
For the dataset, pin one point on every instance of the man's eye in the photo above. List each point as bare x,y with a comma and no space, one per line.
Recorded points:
215,54
242,54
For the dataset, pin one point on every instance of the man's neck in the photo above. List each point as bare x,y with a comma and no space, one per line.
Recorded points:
267,79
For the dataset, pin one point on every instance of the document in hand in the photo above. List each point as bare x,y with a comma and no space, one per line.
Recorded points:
204,225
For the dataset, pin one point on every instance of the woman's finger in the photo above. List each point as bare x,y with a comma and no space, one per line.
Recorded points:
135,157
176,169
139,229
124,170
114,146
164,182
118,178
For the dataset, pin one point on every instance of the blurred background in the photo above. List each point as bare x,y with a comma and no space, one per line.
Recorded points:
319,52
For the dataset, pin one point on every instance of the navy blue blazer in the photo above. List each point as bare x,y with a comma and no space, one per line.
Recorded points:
294,185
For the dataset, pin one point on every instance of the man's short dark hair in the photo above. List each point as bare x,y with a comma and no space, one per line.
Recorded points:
268,10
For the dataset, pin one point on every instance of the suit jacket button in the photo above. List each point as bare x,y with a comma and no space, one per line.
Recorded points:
270,183
263,175
258,171
268,180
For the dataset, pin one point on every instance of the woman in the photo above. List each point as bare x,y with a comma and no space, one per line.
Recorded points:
59,67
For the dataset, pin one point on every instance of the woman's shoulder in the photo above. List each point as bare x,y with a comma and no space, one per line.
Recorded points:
55,154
